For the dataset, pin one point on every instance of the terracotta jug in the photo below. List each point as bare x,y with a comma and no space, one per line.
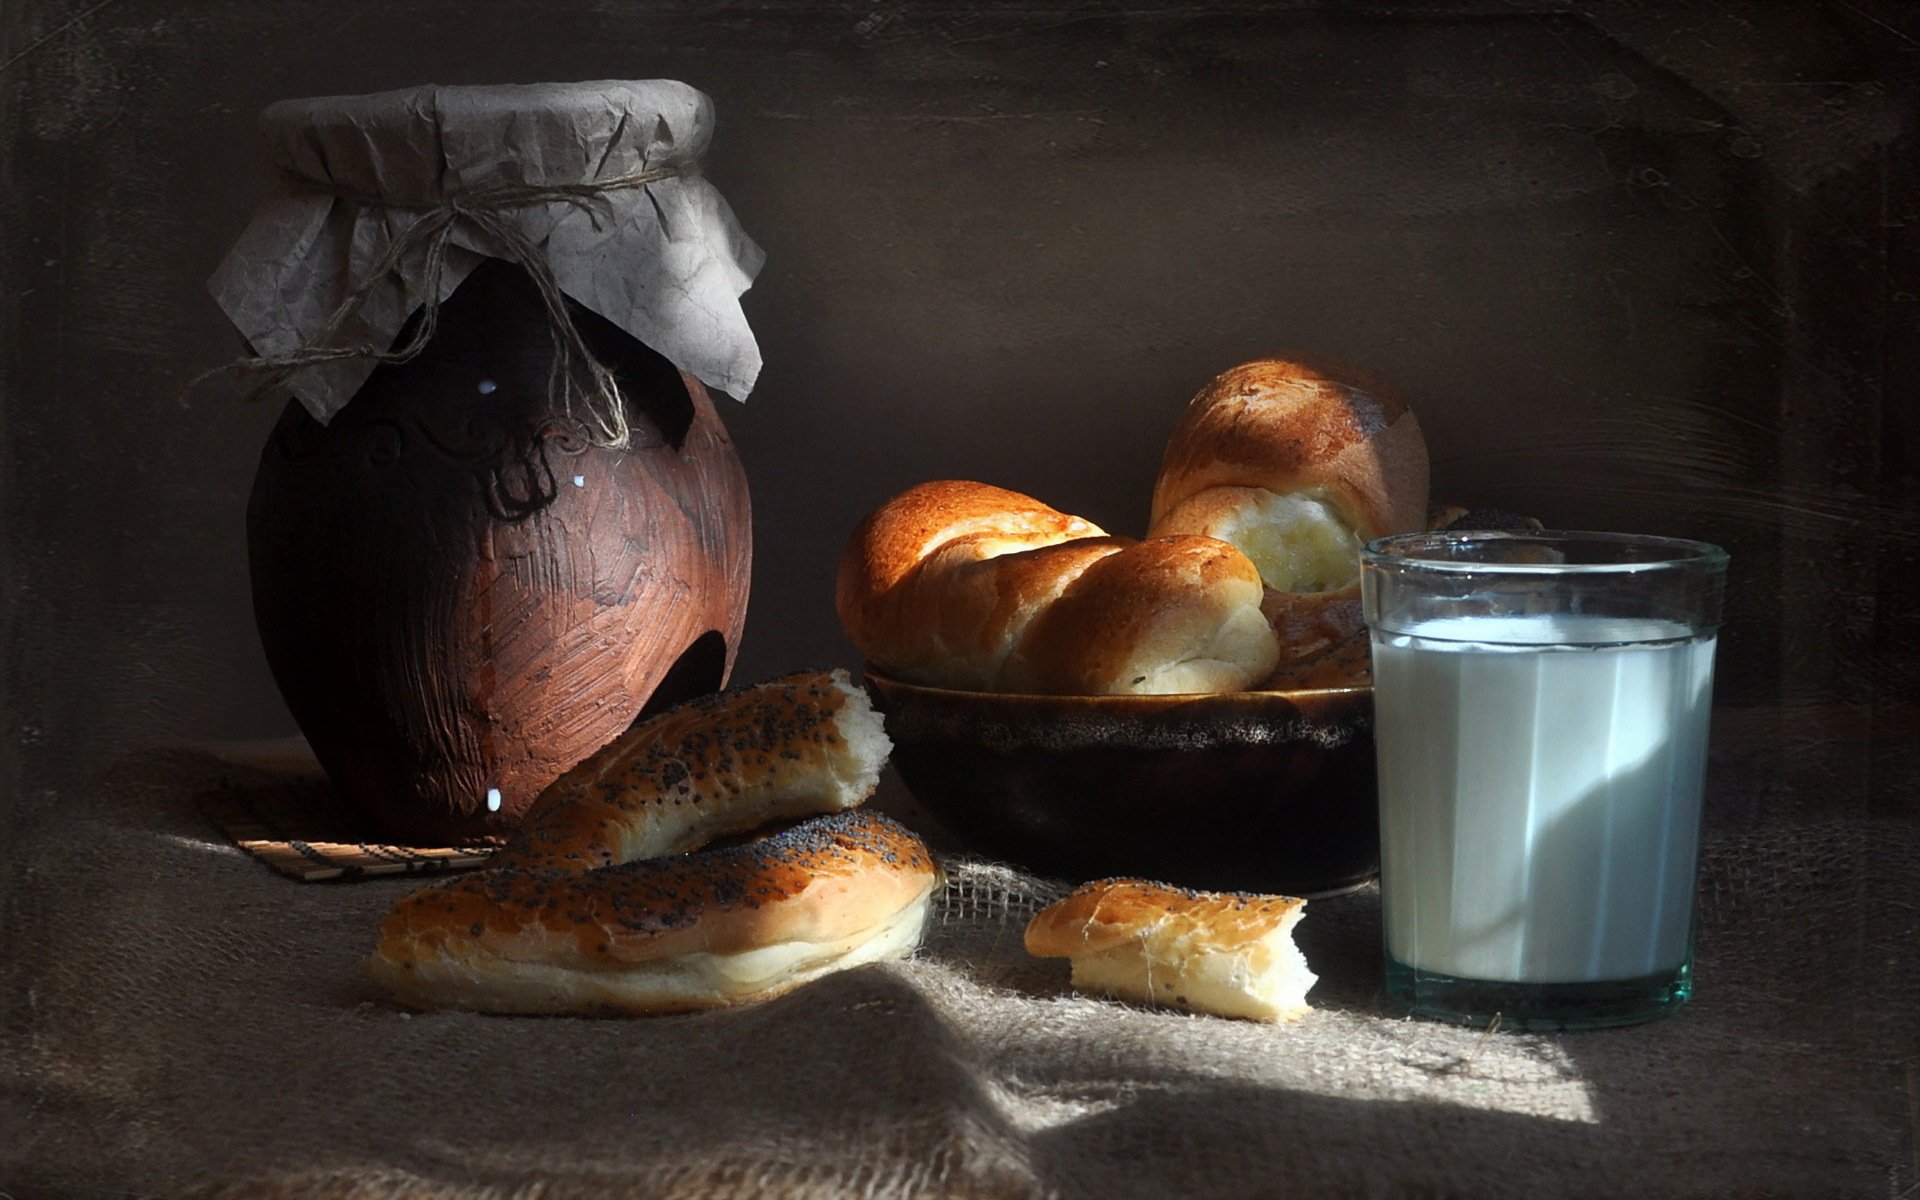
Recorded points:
460,596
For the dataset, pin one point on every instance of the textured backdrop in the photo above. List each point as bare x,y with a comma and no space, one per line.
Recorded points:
1636,264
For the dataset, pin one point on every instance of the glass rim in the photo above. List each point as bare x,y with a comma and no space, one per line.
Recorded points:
1401,551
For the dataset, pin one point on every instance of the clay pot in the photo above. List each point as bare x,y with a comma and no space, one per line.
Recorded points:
1263,791
460,597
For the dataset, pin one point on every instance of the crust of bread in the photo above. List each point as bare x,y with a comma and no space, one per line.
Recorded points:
1289,428
958,619
1225,953
1164,616
969,586
596,907
892,541
719,765
666,934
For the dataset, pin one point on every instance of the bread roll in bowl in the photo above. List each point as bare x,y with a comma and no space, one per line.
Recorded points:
969,586
1230,954
1298,470
940,582
1166,616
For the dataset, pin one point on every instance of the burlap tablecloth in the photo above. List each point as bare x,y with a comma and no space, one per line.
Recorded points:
179,1019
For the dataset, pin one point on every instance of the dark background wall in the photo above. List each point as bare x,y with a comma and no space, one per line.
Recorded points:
1644,266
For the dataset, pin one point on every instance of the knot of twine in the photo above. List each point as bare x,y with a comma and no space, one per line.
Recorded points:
605,413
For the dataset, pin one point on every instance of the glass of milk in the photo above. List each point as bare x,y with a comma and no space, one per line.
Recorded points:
1540,704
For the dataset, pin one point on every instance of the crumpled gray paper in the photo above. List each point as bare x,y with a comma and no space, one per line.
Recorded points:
667,262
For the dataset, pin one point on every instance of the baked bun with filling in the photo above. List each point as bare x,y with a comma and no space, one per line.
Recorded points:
1297,469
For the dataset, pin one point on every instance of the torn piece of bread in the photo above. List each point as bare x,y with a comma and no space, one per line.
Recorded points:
1230,954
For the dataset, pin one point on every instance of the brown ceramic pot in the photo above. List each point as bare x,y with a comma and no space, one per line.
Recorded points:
460,597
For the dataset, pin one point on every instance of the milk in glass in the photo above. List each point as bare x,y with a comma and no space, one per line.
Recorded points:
1540,784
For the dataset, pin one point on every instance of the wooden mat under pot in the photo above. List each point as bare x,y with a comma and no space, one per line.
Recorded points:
299,826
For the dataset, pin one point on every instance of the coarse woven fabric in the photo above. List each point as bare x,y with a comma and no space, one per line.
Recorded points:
181,1020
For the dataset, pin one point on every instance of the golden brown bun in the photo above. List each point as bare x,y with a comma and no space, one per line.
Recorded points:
1162,617
593,907
1226,953
718,765
1299,470
891,542
1289,428
669,934
957,620
957,584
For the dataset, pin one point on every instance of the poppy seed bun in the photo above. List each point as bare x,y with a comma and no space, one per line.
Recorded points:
719,765
607,902
658,935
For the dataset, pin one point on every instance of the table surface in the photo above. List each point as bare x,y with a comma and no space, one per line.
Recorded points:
179,1017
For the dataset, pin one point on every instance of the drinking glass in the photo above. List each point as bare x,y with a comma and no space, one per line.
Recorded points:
1541,702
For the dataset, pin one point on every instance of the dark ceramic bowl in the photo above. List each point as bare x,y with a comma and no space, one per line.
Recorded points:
1243,791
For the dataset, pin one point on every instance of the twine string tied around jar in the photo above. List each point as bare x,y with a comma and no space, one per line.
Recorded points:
483,209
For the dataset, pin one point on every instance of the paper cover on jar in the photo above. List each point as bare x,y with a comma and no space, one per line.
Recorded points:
556,164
